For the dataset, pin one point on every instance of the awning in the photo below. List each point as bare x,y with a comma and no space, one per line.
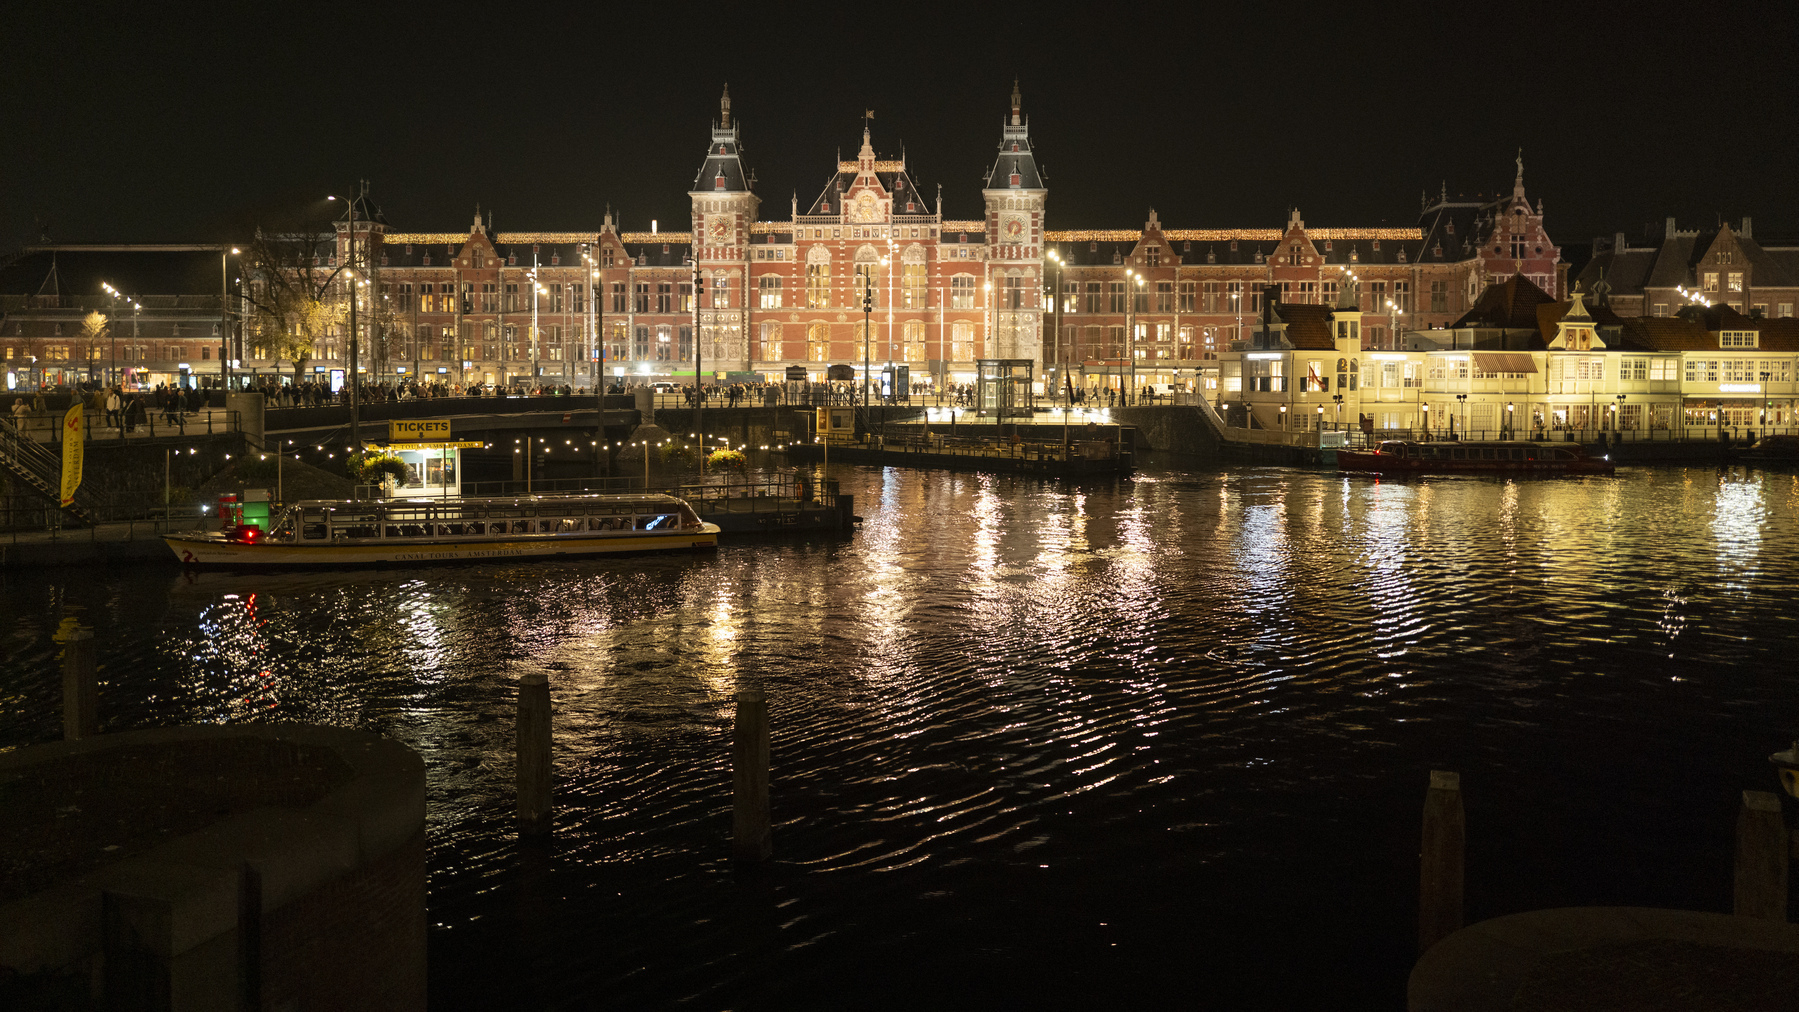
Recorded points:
1492,362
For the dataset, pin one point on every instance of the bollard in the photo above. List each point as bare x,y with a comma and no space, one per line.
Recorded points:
1761,865
1440,862
534,753
79,691
749,776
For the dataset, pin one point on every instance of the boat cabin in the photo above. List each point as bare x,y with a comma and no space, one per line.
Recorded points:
1496,452
449,520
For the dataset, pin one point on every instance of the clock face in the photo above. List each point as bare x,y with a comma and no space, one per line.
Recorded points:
1012,227
720,227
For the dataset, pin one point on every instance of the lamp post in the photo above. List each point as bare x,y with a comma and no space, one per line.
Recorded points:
1133,281
1510,426
1053,317
1283,411
1424,408
113,336
536,288
1339,399
1463,400
1618,416
225,342
868,308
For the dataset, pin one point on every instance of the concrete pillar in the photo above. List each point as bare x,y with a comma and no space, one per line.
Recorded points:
1762,858
1440,860
646,406
249,408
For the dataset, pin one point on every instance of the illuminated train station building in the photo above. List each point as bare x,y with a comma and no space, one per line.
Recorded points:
478,306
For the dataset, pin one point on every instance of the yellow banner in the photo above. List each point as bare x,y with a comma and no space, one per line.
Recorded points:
74,442
472,444
418,429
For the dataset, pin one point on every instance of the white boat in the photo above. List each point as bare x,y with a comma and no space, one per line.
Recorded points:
325,532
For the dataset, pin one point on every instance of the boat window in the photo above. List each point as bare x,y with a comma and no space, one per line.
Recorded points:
521,527
658,522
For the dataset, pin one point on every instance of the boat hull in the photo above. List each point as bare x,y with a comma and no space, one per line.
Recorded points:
214,550
1385,463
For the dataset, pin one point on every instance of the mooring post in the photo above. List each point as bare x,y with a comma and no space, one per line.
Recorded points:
534,753
1761,865
80,693
749,774
1440,861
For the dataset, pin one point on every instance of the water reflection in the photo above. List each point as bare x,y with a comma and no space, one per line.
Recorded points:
1099,695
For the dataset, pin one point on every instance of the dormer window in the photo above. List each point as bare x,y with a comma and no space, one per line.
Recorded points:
1093,247
1258,256
1437,251
1738,338
555,259
825,208
1375,246
1117,258
1233,245
427,260
1327,246
1211,258
511,260
1186,247
408,249
1402,255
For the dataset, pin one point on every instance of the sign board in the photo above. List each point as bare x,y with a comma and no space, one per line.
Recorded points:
473,444
417,429
796,373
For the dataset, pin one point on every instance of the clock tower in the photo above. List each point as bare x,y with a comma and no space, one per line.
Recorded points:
723,210
1014,198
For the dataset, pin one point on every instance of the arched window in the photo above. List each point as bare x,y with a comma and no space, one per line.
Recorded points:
912,342
818,342
769,347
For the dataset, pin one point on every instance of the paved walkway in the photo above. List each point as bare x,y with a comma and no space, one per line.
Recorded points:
1598,959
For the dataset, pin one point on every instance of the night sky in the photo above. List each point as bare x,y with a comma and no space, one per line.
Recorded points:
177,126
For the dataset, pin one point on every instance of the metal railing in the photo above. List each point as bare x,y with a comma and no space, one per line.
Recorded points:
46,427
142,514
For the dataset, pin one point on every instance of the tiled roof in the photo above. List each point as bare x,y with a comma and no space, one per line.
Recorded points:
1510,303
1308,325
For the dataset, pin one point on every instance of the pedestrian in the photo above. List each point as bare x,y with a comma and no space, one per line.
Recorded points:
115,417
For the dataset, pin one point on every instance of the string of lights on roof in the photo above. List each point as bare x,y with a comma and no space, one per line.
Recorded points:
782,227
1231,234
887,165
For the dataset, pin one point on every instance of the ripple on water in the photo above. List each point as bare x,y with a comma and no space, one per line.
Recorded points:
1008,703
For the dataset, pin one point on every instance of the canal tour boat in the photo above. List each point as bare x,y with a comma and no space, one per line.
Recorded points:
325,532
1400,456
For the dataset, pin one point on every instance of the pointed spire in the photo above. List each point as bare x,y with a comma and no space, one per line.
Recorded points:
724,108
477,225
1518,183
1017,103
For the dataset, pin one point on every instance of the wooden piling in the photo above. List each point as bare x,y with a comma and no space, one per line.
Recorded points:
1761,864
534,753
1440,861
80,692
749,774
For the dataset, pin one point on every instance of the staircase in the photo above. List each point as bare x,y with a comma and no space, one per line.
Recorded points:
41,470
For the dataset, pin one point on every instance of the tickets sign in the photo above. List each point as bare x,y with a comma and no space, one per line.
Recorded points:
415,430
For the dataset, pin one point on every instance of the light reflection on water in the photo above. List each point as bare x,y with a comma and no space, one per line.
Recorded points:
1053,742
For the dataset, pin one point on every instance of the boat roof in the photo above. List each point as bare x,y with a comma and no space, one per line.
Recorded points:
596,498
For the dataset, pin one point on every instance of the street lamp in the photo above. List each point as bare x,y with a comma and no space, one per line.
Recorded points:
1463,399
1130,325
1053,318
868,308
113,337
1339,399
1618,416
1425,408
1509,424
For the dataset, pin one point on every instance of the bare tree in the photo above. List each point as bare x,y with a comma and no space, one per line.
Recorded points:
292,292
93,331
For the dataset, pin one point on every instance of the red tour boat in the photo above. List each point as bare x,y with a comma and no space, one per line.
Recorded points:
1398,456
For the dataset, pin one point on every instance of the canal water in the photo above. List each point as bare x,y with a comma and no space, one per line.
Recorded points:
1159,740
